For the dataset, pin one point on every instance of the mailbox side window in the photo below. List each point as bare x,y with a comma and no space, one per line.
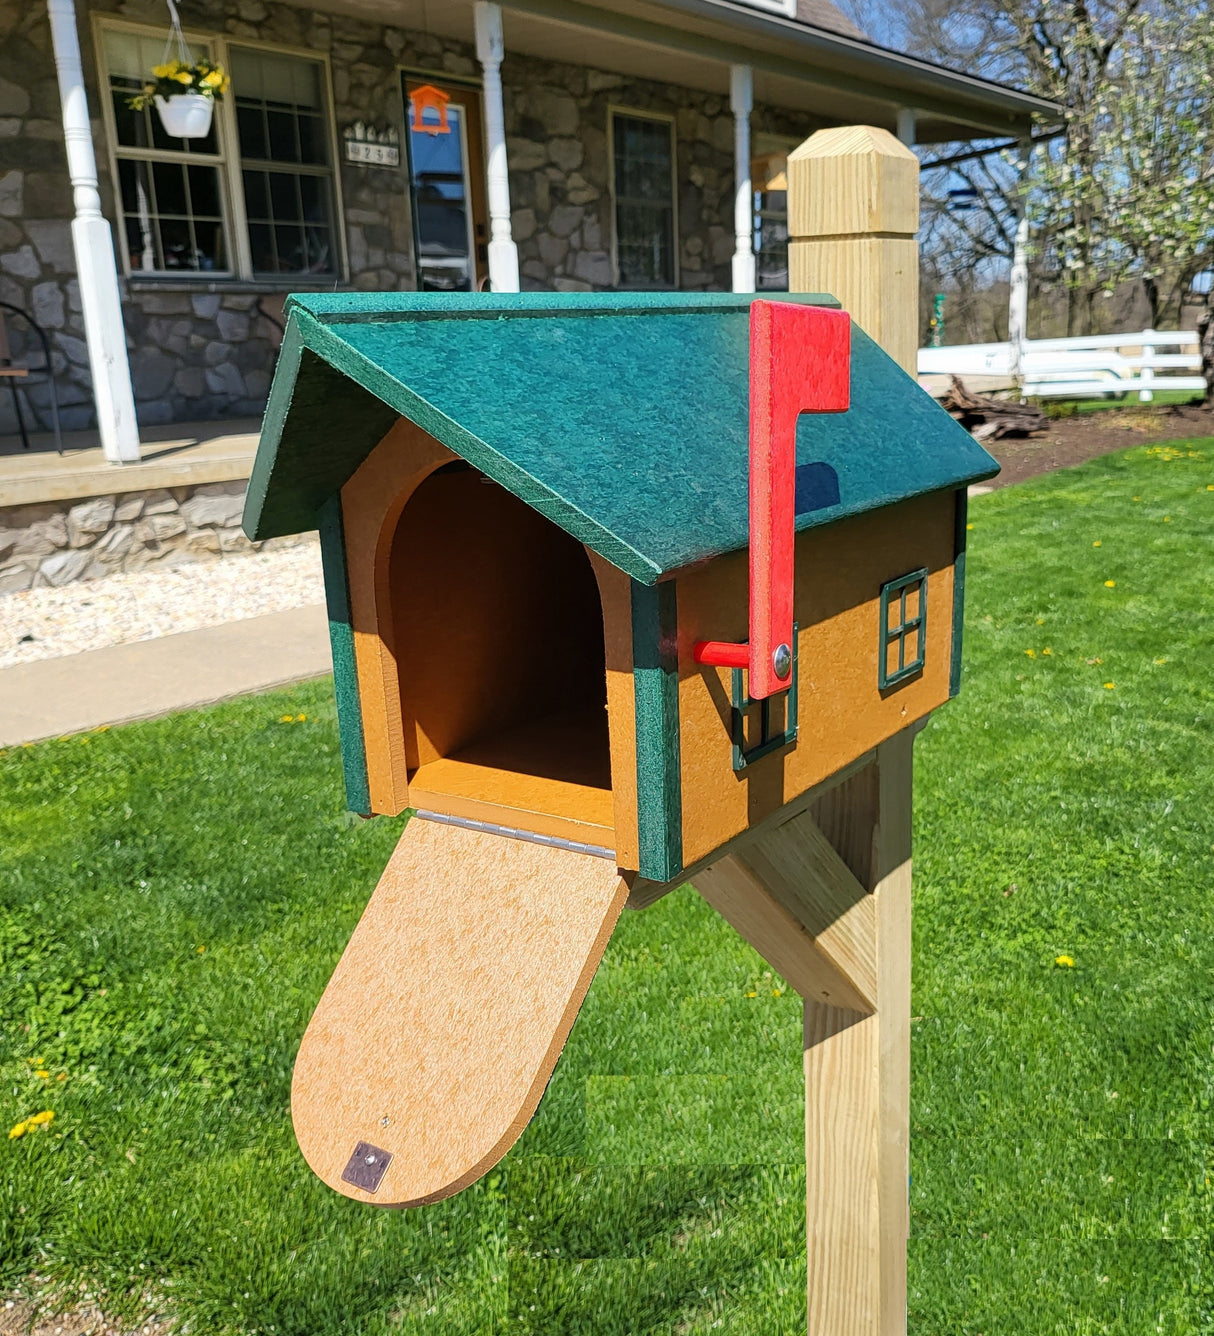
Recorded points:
903,628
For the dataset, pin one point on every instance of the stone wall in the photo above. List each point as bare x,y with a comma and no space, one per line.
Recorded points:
204,349
56,542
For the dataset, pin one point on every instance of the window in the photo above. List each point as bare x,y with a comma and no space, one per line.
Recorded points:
903,628
643,188
256,198
169,189
286,173
769,180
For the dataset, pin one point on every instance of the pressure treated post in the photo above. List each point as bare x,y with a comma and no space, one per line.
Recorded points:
853,202
853,211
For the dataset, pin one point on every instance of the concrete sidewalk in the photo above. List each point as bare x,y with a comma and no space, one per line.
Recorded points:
112,686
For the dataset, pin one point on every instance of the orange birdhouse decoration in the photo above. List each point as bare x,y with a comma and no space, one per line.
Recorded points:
425,99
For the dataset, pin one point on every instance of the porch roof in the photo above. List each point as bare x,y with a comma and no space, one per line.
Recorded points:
622,417
833,74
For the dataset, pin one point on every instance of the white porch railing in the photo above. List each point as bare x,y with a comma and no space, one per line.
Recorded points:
1081,368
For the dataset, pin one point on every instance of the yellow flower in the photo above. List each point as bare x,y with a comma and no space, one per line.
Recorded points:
164,71
1096,543
1110,584
1159,661
970,526
19,1130
212,80
1210,487
776,992
752,994
46,1076
61,1077
1040,621
42,1119
1032,653
184,77
1047,651
201,949
1066,962
299,718
1108,686
286,719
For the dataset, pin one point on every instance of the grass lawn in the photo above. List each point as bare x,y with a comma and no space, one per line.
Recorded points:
174,894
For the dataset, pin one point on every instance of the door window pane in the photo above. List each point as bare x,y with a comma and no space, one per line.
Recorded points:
643,165
442,205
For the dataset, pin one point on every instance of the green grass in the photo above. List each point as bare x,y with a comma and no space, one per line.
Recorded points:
1061,408
174,894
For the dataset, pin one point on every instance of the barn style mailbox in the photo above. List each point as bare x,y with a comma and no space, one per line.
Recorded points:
619,586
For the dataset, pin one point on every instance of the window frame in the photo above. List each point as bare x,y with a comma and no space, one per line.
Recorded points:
893,592
230,164
617,109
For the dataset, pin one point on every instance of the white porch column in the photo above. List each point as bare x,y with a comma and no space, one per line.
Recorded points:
907,128
503,253
741,102
93,243
1018,299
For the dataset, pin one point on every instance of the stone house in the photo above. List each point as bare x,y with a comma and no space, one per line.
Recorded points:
384,144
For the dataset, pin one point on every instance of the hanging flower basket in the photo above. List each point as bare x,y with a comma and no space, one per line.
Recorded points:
184,91
187,115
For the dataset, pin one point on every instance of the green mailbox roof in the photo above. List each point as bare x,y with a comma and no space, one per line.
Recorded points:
622,417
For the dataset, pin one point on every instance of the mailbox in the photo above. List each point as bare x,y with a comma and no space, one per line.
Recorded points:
613,580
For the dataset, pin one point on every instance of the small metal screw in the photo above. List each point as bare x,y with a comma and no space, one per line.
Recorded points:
383,1122
781,660
370,1159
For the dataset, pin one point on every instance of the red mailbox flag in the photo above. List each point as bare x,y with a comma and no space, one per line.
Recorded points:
800,362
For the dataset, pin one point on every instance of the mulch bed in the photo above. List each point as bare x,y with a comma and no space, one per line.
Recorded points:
1070,441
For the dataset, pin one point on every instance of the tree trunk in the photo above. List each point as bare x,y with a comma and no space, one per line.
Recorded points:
1150,290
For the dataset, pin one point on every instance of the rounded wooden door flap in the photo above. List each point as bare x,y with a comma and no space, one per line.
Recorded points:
436,1036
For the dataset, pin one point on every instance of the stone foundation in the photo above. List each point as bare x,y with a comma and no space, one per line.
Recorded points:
56,542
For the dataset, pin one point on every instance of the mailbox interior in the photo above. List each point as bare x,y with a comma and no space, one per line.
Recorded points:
497,625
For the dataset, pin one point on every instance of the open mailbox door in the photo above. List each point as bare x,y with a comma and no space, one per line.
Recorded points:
436,1036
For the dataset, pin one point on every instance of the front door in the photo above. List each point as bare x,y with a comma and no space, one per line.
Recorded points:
447,185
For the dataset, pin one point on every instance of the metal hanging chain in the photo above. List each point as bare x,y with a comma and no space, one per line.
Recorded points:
176,36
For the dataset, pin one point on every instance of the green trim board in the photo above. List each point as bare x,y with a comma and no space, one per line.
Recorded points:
959,541
345,669
622,417
655,677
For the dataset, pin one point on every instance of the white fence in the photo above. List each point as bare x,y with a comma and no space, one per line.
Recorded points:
1080,368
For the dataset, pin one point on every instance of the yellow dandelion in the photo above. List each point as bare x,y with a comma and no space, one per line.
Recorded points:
300,718
752,994
43,1119
1047,651
1097,543
1108,686
1040,621
1159,661
1210,487
201,949
776,992
1032,653
1067,962
1110,584
1167,519
970,526
18,1130
46,1076
286,719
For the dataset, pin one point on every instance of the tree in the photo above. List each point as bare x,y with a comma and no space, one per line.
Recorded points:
1126,189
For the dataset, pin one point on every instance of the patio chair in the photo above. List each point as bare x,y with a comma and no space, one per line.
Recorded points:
19,374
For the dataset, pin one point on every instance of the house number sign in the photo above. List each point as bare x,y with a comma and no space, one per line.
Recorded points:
376,148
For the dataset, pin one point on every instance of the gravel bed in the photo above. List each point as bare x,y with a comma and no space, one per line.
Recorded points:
50,622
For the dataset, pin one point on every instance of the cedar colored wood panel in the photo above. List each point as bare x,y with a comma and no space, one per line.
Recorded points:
448,1010
623,418
842,712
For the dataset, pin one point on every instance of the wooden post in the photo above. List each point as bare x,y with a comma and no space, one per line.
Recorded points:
853,197
853,211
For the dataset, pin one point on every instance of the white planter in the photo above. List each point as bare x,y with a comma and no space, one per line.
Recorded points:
186,116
